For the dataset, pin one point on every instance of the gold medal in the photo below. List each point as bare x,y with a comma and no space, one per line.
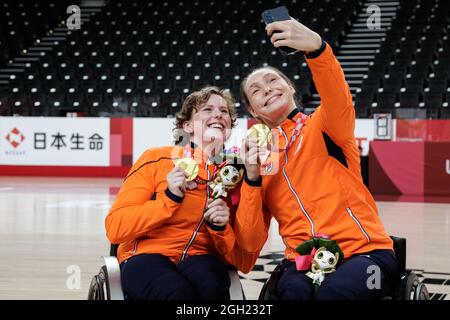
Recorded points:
189,166
262,133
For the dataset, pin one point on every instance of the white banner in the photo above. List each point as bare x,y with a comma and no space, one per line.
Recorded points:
364,133
157,132
150,133
86,141
237,134
54,141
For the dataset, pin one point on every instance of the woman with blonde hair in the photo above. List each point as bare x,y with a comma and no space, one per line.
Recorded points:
311,181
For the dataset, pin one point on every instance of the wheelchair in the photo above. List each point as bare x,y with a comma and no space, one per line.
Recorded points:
107,285
409,287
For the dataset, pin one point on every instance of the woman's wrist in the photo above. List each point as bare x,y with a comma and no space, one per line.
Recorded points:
254,181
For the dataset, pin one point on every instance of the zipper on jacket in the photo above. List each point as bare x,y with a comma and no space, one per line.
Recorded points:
292,188
191,240
135,247
358,223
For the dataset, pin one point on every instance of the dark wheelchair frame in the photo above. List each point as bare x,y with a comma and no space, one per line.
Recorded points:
409,287
107,285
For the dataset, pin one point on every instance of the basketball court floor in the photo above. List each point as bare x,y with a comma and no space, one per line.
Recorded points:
52,238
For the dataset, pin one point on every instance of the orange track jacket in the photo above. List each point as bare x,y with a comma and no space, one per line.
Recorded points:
147,218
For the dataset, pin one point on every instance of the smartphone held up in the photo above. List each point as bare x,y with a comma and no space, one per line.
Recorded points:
278,14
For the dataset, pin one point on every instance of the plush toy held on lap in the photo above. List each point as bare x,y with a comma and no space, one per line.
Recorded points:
324,262
321,255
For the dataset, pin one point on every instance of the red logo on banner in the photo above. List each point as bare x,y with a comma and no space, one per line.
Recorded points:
15,137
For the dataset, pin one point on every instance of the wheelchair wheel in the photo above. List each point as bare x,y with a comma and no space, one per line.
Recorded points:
421,293
412,289
97,290
269,289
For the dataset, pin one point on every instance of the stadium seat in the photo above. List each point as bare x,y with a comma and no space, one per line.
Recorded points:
386,100
123,51
409,99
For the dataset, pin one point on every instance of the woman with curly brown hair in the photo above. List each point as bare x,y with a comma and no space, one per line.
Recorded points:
176,242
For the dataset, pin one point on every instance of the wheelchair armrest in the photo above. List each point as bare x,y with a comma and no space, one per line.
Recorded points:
236,291
269,289
400,252
114,284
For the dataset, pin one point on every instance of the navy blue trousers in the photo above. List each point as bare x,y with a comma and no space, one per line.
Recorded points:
373,275
156,277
